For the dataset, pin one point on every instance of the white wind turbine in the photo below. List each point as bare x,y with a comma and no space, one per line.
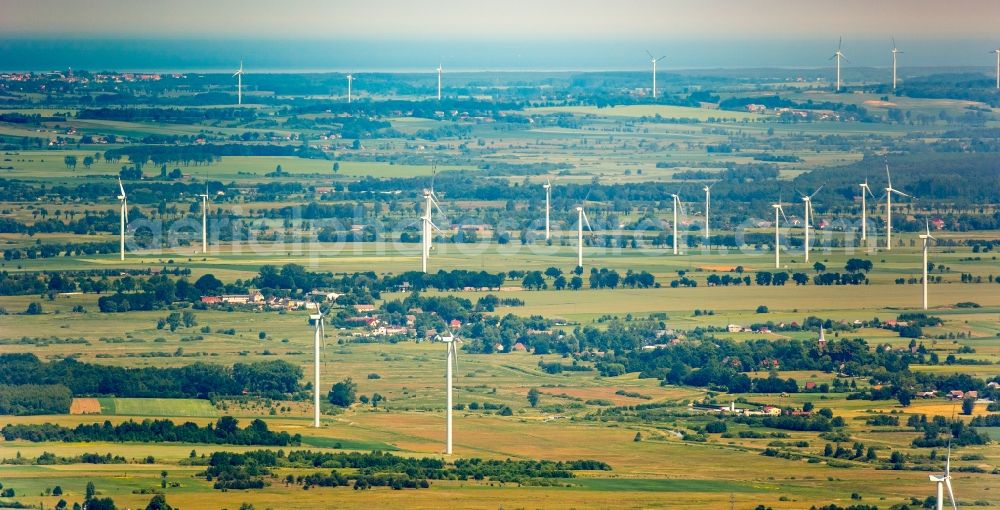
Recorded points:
998,66
708,203
889,190
864,208
548,204
319,334
239,84
124,215
204,220
350,81
809,216
654,60
439,70
926,237
895,51
777,233
427,225
451,344
581,220
944,480
677,206
839,55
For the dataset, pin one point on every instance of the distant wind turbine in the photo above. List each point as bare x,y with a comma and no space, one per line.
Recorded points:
124,216
808,223
677,206
895,51
548,204
204,221
997,51
777,233
839,55
439,70
239,84
319,334
926,237
864,209
708,202
350,80
654,60
427,224
581,220
451,344
889,190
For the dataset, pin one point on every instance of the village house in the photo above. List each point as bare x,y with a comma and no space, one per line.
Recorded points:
364,308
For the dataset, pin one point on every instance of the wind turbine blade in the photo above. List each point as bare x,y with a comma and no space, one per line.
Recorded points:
125,210
650,54
121,187
901,193
587,221
817,190
435,227
951,493
661,58
888,177
782,210
893,43
454,353
840,43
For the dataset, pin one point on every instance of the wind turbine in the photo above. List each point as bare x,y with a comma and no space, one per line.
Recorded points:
654,60
839,55
677,206
204,220
945,480
864,209
451,344
124,215
548,202
708,202
888,207
239,84
777,234
926,237
997,51
439,70
350,80
895,51
809,213
581,220
319,335
427,224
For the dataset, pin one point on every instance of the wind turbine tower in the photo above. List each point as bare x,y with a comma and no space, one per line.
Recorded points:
895,51
428,226
926,237
581,220
451,344
318,335
997,51
654,60
777,233
839,55
889,190
677,205
439,70
864,209
204,221
124,216
350,81
708,202
239,84
809,217
548,203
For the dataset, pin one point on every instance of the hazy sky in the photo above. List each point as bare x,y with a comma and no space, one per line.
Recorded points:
505,19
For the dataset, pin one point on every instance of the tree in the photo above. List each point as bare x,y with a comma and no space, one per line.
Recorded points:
34,308
506,411
856,265
559,283
638,437
343,393
70,162
904,398
762,309
88,161
90,491
188,319
101,504
336,166
576,283
800,278
968,405
262,335
159,502
57,490
533,396
819,267
208,284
